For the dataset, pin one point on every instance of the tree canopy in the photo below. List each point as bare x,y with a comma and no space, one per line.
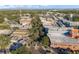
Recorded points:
37,28
21,50
45,41
4,41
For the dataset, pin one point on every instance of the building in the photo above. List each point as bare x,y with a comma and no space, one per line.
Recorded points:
20,33
25,20
5,31
59,40
75,33
20,36
74,23
47,21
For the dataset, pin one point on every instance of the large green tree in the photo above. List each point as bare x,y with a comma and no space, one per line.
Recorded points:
37,28
45,41
37,32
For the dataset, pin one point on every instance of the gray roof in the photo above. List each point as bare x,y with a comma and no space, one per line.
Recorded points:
58,36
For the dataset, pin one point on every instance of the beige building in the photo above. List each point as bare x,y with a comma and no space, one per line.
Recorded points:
5,32
47,21
20,33
25,19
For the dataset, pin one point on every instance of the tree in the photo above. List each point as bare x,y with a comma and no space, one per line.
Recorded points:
37,32
75,18
37,28
67,17
21,50
45,41
4,42
1,19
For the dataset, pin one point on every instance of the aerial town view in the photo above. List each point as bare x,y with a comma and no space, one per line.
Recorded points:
39,30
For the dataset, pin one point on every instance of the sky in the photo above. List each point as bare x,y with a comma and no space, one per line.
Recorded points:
39,2
5,4
39,7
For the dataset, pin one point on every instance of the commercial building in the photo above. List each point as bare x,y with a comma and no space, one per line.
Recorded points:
75,33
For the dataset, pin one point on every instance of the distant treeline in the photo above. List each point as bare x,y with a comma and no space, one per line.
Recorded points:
74,11
14,14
